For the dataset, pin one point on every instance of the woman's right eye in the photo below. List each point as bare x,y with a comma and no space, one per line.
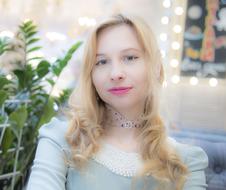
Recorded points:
101,62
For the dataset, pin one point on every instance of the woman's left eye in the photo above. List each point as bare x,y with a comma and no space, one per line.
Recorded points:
130,58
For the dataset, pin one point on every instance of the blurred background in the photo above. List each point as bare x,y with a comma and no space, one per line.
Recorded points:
41,47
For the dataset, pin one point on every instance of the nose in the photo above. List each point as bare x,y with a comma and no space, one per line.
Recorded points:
117,73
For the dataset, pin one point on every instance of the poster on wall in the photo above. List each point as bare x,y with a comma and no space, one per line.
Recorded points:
204,40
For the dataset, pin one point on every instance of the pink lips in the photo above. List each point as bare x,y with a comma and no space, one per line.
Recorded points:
119,90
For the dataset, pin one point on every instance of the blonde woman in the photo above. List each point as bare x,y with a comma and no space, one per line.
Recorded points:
114,137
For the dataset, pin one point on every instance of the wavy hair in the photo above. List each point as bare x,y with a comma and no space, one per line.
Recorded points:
86,111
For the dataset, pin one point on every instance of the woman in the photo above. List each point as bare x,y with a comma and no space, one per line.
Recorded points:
115,137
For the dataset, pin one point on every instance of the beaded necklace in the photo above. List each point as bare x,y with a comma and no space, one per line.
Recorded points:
115,117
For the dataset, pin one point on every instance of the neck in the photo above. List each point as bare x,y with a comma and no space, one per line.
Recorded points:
120,127
118,119
131,114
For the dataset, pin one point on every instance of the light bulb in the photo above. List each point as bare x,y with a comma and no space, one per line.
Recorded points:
175,79
213,82
174,63
177,28
179,10
175,45
166,3
194,81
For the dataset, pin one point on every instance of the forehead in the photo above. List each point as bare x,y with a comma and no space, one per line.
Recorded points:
117,38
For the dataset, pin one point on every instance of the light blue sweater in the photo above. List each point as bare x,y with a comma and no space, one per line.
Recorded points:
50,172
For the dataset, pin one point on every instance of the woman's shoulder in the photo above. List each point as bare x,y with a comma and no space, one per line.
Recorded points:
193,156
55,130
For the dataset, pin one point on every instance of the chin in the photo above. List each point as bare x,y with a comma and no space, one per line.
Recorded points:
122,105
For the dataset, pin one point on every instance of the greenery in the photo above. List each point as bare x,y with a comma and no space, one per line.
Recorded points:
24,101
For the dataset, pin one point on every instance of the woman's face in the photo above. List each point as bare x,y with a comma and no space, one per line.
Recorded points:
119,73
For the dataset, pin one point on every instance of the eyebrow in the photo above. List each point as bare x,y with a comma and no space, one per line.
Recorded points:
124,50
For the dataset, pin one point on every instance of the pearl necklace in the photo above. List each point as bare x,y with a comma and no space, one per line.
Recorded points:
120,162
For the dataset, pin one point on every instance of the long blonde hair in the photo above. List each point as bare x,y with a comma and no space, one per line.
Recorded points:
86,113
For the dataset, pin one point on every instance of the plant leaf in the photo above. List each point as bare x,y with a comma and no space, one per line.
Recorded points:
24,76
19,117
34,58
30,34
70,53
51,82
7,140
30,28
31,41
48,112
56,70
3,45
43,68
3,97
60,64
34,49
27,23
4,81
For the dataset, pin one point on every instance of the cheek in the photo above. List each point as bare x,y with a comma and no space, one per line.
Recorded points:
142,75
142,80
98,81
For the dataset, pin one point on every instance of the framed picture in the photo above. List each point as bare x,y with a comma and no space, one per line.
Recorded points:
204,40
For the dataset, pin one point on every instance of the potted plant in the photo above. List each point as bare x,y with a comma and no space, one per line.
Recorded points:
25,104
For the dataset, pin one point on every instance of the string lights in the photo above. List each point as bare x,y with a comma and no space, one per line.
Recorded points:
194,81
175,79
174,63
175,37
213,82
163,37
165,20
166,4
179,10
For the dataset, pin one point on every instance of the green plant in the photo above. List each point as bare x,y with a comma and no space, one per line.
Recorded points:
3,45
24,102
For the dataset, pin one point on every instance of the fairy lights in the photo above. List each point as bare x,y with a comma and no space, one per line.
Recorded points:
175,45
194,81
165,20
177,28
213,82
166,4
174,63
179,10
175,79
